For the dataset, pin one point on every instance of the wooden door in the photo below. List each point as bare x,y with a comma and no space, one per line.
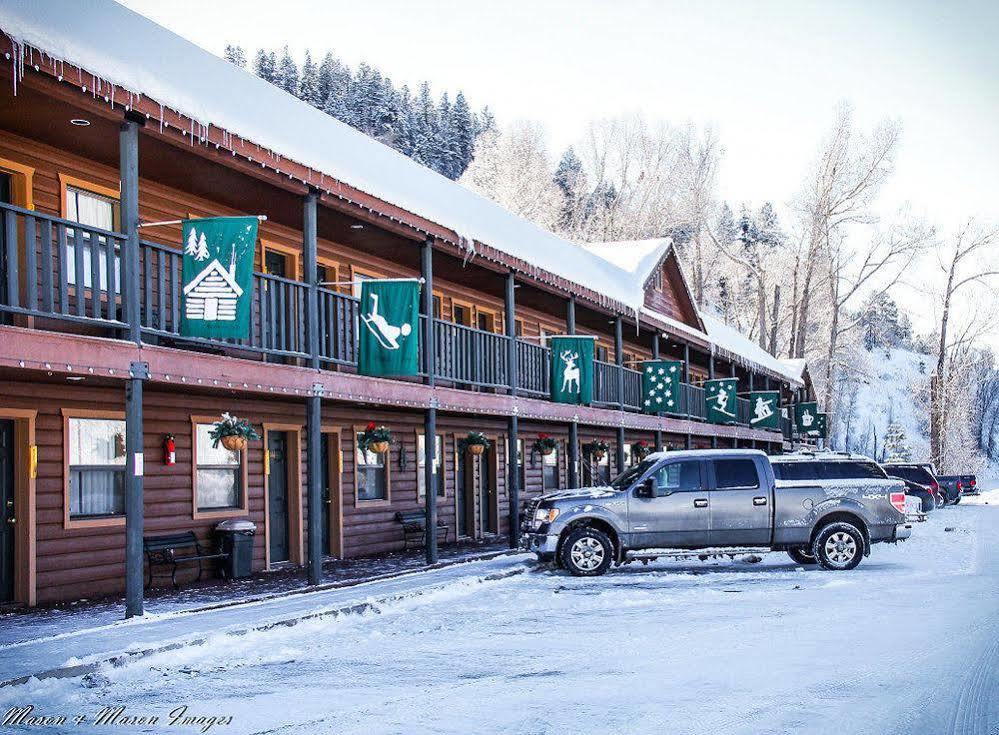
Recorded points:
330,461
487,492
7,509
277,496
464,496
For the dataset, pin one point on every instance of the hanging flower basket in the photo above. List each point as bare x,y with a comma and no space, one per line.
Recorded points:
545,444
232,433
475,443
640,450
374,439
596,449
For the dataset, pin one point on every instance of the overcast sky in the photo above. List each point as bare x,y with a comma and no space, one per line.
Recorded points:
765,75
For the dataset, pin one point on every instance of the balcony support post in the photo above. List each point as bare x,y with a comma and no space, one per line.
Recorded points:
573,466
313,406
134,500
128,172
430,417
513,429
655,356
619,360
711,375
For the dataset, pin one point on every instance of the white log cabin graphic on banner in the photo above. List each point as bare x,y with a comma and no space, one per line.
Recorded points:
213,293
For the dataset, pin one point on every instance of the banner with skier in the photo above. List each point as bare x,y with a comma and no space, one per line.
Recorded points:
719,398
661,386
388,328
764,409
217,274
805,417
571,369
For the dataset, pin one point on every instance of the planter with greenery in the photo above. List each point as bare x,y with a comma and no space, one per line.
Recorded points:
475,443
640,450
374,439
545,444
597,449
232,432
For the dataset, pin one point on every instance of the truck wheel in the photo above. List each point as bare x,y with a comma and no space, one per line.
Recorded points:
801,556
958,500
941,500
839,546
587,552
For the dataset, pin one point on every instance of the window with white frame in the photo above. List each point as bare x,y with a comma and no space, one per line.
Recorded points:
421,443
372,475
96,467
549,470
218,474
93,210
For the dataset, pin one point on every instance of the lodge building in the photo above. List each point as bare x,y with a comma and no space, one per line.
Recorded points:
102,132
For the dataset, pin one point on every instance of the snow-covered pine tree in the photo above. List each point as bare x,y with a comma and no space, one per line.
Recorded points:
425,116
264,65
308,85
286,73
406,123
462,135
570,177
235,55
445,153
896,446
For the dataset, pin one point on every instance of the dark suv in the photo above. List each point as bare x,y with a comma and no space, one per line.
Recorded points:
920,477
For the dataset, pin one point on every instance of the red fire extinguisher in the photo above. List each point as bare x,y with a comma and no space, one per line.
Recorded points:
169,451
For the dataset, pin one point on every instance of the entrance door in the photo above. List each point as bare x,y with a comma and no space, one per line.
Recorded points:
325,478
6,511
487,492
464,496
277,495
330,479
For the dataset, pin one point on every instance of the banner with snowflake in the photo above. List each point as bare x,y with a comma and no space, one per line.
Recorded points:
661,386
719,399
217,276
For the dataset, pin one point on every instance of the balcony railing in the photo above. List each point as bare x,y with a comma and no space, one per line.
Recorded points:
74,273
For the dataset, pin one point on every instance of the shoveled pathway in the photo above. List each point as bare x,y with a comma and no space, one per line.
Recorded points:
19,625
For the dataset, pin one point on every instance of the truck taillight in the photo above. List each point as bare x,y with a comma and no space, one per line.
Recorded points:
898,501
960,486
973,483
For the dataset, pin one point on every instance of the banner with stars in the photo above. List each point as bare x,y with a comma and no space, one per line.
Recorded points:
661,386
719,398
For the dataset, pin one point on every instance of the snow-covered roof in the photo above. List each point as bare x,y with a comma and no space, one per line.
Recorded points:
125,48
728,338
795,367
638,258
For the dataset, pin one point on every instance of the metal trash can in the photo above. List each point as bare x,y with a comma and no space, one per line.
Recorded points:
236,540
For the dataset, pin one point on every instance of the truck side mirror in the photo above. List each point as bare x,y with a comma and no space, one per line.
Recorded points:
648,488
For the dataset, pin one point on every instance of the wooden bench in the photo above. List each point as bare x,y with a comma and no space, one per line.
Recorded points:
414,523
173,550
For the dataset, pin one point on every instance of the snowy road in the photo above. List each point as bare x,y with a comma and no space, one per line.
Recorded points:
906,643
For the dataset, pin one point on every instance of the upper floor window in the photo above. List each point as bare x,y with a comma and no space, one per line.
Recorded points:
657,280
93,210
96,449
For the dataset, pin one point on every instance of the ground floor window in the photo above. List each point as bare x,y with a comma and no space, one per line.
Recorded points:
96,467
421,443
372,475
218,473
549,471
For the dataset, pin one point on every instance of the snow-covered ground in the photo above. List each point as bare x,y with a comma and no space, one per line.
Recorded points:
906,643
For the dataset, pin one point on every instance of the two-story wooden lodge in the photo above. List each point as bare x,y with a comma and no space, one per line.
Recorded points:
108,121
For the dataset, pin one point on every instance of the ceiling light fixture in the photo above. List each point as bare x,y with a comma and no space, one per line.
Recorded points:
357,227
74,378
80,122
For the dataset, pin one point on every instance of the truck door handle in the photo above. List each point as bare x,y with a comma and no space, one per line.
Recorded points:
700,503
759,501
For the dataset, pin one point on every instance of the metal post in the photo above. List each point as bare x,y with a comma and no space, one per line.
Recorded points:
313,408
513,465
619,360
655,356
513,480
620,449
573,468
711,375
430,418
134,515
128,168
688,441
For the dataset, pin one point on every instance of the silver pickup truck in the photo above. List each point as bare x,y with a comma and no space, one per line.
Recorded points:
712,501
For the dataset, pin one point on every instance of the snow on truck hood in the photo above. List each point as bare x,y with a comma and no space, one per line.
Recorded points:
120,46
581,493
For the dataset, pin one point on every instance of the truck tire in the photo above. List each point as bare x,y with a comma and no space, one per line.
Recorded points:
838,546
941,500
801,556
957,500
586,552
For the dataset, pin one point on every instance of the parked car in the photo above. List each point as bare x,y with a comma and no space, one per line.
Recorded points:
920,474
829,466
956,486
724,500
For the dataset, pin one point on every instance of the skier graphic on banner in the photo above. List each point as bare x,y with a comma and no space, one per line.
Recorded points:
388,344
719,397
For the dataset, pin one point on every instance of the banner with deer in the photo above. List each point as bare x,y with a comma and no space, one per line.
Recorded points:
217,274
572,369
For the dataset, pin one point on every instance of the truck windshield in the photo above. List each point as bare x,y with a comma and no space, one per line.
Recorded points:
628,477
912,473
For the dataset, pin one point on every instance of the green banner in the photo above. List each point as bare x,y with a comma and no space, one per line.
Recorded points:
217,275
389,334
764,409
571,369
719,397
805,417
661,386
820,426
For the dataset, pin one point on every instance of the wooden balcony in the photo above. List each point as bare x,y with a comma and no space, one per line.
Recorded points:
74,274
